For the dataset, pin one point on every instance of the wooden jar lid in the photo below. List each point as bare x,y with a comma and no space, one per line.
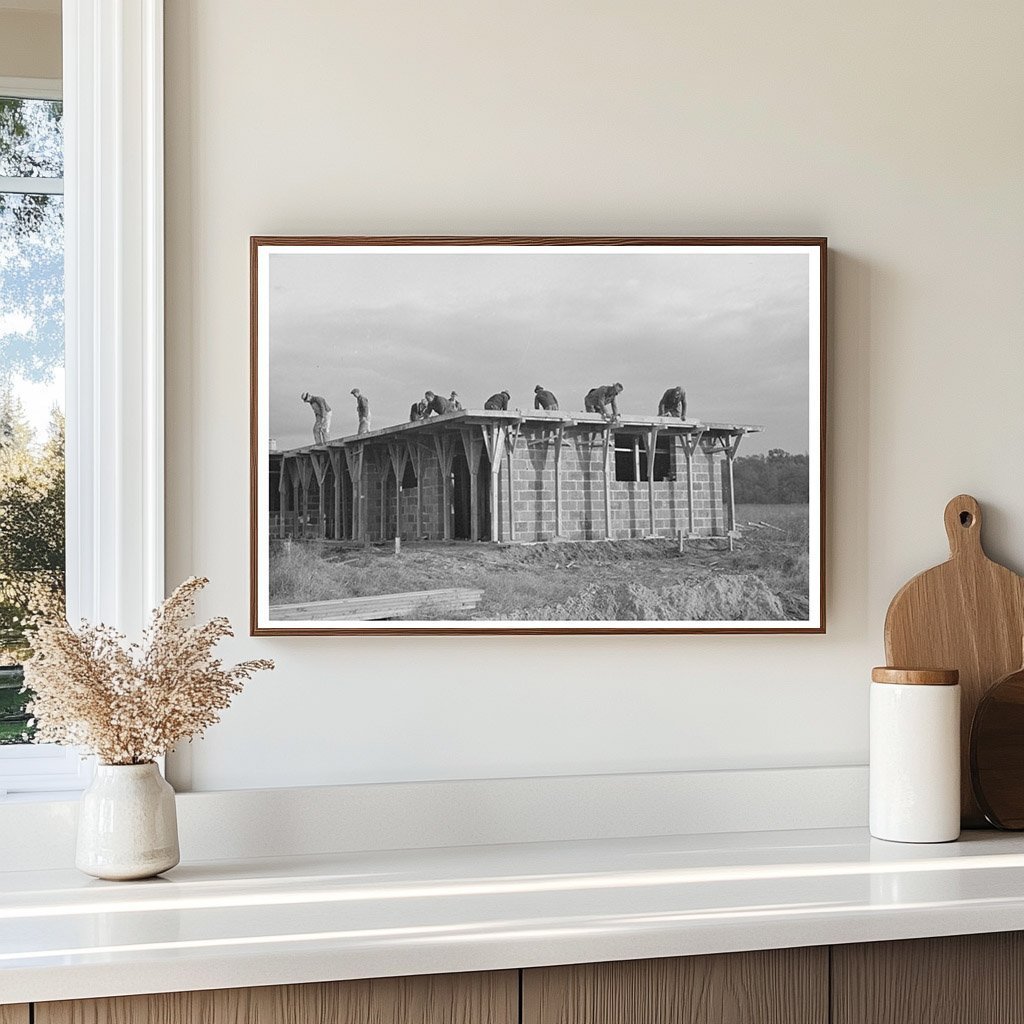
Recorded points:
916,676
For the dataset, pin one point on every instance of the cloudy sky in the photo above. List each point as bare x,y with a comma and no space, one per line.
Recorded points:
731,329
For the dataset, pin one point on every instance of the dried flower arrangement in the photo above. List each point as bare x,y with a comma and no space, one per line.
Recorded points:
130,703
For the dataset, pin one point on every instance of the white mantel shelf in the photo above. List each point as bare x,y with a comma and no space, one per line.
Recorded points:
227,924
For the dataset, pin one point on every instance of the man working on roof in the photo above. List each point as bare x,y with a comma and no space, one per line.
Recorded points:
363,411
598,400
544,399
435,403
454,405
322,414
673,403
498,401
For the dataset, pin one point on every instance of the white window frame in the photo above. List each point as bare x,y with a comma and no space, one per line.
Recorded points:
31,89
38,768
114,335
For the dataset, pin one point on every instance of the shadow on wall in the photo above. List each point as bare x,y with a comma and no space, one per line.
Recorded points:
855,290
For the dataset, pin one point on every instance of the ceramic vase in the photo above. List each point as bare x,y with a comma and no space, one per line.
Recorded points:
127,825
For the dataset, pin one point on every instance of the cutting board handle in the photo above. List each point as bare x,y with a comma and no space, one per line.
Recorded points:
963,526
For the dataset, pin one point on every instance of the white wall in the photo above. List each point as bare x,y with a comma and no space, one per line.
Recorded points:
894,129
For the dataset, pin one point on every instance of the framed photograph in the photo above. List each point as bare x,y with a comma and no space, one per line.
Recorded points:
537,435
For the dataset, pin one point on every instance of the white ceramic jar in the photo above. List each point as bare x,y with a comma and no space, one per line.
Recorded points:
915,755
127,823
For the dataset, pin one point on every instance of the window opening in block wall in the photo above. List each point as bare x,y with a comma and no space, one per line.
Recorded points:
631,458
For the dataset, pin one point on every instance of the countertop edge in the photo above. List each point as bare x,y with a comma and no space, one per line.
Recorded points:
544,948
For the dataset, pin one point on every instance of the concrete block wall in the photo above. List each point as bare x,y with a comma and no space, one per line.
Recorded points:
304,516
433,525
583,516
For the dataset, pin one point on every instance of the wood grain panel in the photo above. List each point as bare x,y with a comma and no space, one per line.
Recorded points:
967,614
14,1014
483,998
780,986
963,979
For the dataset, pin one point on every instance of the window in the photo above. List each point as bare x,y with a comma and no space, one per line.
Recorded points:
112,138
32,564
31,382
631,458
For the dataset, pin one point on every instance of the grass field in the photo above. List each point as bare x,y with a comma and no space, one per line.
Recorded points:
765,577
791,519
12,721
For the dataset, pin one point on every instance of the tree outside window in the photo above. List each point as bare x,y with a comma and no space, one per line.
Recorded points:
31,385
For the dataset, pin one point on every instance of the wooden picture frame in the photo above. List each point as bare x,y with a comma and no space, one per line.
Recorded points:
381,523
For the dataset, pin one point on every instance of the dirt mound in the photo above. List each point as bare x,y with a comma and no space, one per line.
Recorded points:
725,597
585,552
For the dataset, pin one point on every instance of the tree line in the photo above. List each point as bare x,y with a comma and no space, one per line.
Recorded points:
31,523
777,478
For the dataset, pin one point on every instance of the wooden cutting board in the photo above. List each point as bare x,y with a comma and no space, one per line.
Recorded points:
967,614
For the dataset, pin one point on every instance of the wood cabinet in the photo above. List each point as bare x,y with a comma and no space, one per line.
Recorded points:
779,986
491,998
972,979
963,979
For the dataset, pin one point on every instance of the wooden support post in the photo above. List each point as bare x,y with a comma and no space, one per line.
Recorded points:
607,484
474,503
730,454
732,503
471,445
282,491
399,456
384,463
494,438
511,440
320,462
343,509
364,499
339,492
355,460
442,445
495,517
293,478
636,459
305,475
690,444
351,461
651,440
419,493
559,434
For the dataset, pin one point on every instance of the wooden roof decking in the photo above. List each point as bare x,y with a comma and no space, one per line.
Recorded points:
476,417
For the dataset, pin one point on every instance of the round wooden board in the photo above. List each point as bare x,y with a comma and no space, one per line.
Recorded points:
997,752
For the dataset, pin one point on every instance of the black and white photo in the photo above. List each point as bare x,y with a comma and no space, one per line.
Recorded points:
564,435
